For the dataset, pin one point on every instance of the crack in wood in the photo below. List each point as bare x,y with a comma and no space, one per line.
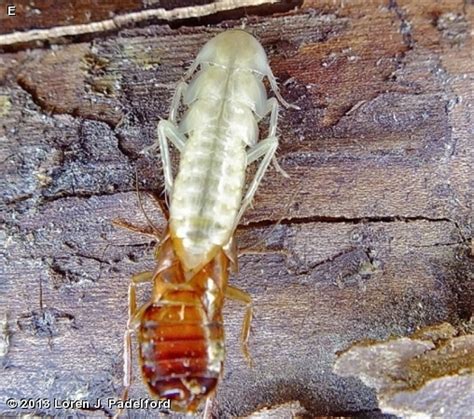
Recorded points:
346,220
121,21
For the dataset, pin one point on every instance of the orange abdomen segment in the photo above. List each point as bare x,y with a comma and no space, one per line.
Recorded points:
181,352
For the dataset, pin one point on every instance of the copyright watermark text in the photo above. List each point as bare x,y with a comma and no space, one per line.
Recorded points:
111,403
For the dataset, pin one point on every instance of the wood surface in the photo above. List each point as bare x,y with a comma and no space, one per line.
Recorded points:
369,237
430,373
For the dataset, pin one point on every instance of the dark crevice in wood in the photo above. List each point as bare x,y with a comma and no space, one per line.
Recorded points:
356,220
83,256
212,19
238,13
77,194
310,267
18,199
439,245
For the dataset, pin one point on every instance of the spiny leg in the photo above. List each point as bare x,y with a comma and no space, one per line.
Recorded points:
154,233
127,343
276,90
159,205
133,317
230,250
253,249
192,69
208,407
267,148
178,93
272,108
141,277
168,130
243,297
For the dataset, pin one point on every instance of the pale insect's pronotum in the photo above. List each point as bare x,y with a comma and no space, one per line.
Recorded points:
217,138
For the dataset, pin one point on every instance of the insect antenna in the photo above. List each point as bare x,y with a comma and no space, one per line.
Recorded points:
140,202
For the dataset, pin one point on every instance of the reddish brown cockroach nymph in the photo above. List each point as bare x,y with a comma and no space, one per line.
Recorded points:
180,331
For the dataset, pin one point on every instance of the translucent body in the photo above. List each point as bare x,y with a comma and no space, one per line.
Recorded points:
225,100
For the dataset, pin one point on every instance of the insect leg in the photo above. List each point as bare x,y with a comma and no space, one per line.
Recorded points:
127,343
276,90
272,108
192,69
230,250
146,276
208,407
133,318
239,295
179,92
267,149
168,130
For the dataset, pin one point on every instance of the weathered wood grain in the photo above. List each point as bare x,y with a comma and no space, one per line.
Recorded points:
428,374
44,14
375,219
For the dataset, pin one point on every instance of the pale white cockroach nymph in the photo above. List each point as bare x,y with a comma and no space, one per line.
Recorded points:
217,138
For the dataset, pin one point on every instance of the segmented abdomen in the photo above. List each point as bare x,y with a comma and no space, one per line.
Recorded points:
181,352
208,188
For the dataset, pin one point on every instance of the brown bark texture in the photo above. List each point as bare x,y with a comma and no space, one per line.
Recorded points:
429,373
369,237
